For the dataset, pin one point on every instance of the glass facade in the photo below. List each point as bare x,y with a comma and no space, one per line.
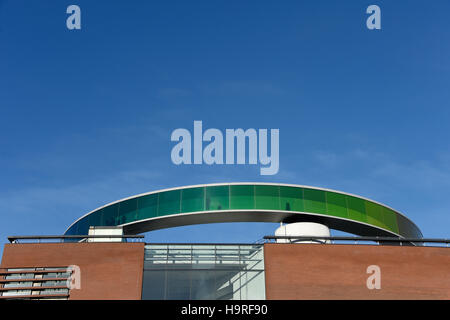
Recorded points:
248,197
203,271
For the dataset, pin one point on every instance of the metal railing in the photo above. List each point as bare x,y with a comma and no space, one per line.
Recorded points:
265,239
63,238
358,240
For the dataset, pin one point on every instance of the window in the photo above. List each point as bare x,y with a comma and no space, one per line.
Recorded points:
18,284
197,272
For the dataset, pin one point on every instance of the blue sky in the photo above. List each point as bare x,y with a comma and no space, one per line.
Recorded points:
86,115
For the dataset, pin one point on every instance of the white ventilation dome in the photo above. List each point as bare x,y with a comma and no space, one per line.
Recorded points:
303,229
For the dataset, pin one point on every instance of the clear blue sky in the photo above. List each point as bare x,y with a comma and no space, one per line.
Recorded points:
86,116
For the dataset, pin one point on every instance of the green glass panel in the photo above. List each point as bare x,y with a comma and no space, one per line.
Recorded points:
267,197
374,214
127,211
242,197
291,199
336,204
148,206
192,199
356,209
217,198
110,215
95,218
169,202
390,219
315,201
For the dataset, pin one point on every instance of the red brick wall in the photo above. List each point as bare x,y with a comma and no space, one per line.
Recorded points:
314,271
108,270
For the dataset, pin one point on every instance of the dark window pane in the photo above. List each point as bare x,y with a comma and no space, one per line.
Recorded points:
72,230
127,211
148,206
178,285
110,215
83,226
95,218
